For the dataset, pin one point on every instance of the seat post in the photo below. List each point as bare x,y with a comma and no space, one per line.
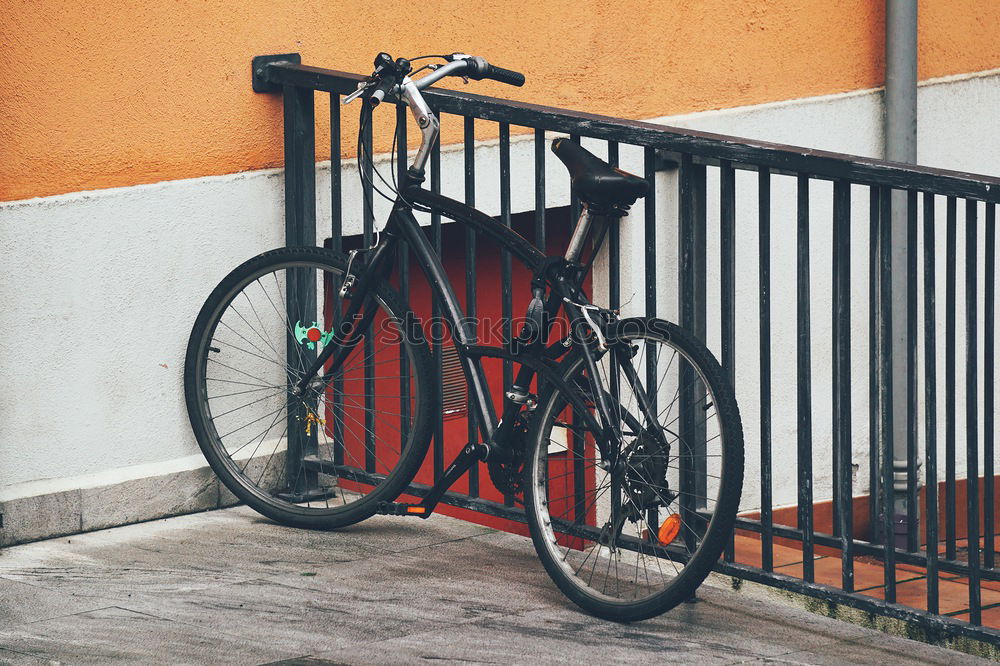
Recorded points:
580,233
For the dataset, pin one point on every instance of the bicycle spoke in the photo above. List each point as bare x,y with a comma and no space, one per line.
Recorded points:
255,421
606,542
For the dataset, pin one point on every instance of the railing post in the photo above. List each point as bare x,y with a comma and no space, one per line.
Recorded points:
300,289
300,166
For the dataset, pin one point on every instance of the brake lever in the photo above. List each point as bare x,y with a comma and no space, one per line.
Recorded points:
362,87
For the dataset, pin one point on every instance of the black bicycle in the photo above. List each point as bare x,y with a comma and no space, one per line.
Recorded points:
310,389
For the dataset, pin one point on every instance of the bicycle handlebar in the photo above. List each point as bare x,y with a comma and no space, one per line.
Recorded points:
388,74
474,67
381,88
394,76
507,76
453,68
478,69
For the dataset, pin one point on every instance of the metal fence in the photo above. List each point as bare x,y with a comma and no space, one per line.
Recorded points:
863,530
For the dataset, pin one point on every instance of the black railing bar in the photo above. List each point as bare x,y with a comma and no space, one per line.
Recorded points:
686,217
764,289
887,387
368,349
989,372
930,401
912,428
950,333
971,410
930,621
451,498
404,283
865,548
613,275
650,258
437,351
727,251
471,309
963,611
700,234
336,205
803,353
300,229
574,201
577,444
649,270
837,314
802,160
336,244
614,247
700,329
841,342
727,297
539,146
874,479
668,159
506,268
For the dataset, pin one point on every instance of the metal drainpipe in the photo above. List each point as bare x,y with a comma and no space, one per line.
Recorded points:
900,146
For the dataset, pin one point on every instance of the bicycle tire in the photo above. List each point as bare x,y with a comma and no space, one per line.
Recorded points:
566,532
327,406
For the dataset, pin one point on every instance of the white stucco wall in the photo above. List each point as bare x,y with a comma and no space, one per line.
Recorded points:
102,287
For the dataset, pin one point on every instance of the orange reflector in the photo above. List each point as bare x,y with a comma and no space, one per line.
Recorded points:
669,529
416,509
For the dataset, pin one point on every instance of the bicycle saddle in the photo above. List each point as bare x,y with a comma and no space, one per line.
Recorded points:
594,180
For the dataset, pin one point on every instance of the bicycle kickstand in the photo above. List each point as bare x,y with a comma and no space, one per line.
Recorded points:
470,455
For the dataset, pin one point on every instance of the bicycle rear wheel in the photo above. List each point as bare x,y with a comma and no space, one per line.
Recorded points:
630,540
327,457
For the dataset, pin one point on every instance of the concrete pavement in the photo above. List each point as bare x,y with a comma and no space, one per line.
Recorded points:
230,587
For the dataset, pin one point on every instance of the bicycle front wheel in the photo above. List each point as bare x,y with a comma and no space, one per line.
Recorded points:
325,457
631,535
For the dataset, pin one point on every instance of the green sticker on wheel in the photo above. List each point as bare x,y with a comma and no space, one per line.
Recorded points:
310,335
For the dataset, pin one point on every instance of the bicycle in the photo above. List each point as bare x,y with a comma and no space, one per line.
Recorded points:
622,438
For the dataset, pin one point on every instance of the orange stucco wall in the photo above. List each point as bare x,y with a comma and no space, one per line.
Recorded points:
104,94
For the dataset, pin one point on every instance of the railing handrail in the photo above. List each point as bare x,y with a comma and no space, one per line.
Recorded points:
740,152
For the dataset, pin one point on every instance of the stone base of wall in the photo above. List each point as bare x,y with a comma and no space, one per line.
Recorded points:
888,625
132,501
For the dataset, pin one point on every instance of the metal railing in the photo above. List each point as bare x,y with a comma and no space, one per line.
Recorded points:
771,177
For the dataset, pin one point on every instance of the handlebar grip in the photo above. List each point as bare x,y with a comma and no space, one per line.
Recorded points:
478,68
502,75
380,91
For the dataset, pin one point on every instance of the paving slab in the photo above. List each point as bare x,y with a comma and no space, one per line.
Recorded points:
116,634
22,603
230,587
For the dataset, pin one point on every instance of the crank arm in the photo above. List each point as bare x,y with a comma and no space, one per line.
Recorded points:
470,455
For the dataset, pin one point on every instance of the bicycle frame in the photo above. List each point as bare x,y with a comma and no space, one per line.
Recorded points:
534,359
562,276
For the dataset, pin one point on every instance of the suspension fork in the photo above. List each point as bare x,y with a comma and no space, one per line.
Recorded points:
349,329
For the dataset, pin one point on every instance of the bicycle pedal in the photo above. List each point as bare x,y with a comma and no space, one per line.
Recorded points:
401,509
